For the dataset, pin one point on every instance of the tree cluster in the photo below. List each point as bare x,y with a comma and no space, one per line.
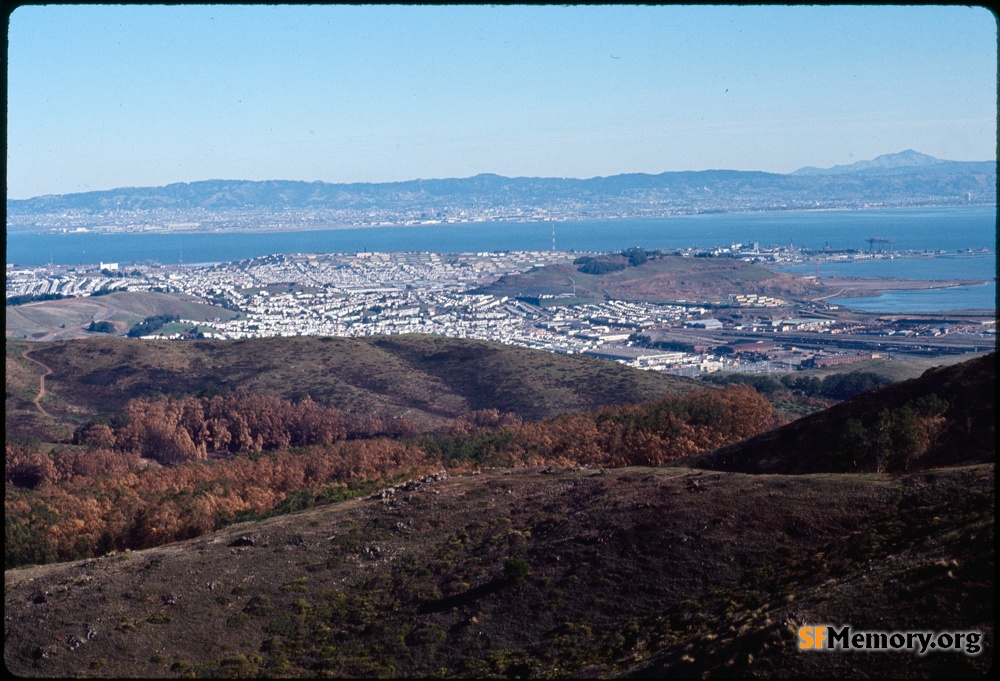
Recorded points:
599,265
645,341
647,434
101,327
152,325
176,430
174,469
613,262
34,298
833,387
89,502
637,256
895,438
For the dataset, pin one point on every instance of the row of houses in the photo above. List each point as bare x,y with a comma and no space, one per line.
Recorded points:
824,360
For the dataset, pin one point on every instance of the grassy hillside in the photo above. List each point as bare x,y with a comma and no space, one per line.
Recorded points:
566,570
427,378
963,432
69,317
664,278
894,369
649,572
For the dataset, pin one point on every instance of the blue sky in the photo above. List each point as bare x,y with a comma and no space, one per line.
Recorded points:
114,96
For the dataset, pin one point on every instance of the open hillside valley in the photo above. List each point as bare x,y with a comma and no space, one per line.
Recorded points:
415,506
502,464
511,341
506,464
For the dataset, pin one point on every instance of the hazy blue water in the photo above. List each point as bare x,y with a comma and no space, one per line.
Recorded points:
959,298
980,266
940,228
931,229
951,266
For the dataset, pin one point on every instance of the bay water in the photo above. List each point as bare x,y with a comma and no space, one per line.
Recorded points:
944,232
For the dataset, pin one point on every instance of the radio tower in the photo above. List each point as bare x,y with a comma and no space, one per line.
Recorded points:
553,236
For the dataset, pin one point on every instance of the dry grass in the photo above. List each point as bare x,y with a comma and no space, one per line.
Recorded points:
427,378
894,369
69,317
641,571
662,279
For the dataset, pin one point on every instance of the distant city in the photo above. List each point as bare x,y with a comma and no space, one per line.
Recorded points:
369,293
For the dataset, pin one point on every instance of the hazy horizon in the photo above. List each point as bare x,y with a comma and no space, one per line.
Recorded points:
107,97
421,179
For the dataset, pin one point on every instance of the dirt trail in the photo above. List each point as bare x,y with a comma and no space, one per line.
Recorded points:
41,383
830,295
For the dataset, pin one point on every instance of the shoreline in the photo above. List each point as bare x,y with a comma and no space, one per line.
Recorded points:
103,229
860,287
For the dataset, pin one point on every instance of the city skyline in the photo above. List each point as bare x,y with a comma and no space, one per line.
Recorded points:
101,97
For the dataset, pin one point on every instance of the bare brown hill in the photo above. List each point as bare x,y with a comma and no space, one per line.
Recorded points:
945,417
660,279
537,573
426,378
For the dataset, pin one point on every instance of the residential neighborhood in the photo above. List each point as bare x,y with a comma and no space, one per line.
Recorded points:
377,293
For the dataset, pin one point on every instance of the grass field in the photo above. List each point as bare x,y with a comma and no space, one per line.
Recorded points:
663,279
701,569
897,370
525,573
69,317
426,378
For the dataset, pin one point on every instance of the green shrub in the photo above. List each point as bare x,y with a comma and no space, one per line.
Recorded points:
237,620
258,606
126,625
515,569
295,585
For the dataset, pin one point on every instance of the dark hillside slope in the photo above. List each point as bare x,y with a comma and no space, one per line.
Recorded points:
426,378
850,436
534,384
533,574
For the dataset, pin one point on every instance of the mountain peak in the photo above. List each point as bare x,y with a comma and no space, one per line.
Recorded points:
908,157
903,159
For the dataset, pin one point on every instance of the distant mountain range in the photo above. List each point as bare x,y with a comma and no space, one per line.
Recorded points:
908,178
905,162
